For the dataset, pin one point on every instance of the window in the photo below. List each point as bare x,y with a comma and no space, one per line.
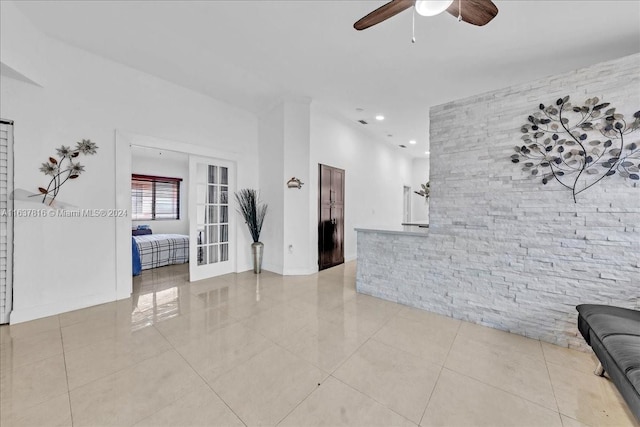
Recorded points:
155,197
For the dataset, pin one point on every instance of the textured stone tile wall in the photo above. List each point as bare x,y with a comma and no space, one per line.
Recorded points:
503,250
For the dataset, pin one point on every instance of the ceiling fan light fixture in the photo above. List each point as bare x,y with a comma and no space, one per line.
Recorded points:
432,7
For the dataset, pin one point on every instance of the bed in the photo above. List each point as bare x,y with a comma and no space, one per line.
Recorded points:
158,250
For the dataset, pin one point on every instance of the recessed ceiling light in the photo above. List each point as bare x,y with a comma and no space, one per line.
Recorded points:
426,152
413,141
379,117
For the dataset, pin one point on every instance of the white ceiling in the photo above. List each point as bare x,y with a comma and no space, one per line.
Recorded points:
252,53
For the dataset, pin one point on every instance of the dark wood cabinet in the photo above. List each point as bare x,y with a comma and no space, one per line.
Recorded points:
330,217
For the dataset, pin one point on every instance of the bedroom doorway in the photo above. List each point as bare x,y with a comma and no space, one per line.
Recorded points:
125,142
211,224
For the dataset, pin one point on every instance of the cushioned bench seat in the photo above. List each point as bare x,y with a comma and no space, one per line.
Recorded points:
614,335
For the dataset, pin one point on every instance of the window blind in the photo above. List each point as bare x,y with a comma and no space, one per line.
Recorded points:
155,197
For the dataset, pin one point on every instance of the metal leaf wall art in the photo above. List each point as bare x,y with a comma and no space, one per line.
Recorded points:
61,173
579,145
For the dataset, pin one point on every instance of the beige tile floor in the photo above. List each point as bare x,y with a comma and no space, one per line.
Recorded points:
244,349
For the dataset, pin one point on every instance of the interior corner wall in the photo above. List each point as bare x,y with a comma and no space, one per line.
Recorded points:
272,181
503,250
86,96
420,175
296,238
18,35
375,175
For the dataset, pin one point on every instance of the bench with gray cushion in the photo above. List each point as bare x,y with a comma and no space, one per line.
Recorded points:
614,335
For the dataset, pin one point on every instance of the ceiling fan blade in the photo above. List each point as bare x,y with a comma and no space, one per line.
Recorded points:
476,12
383,13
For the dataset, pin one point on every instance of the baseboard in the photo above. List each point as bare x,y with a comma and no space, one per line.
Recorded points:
278,269
20,315
299,272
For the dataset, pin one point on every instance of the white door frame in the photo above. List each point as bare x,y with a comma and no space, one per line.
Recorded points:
123,142
6,314
406,204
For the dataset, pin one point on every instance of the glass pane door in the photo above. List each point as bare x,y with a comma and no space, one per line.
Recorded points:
210,220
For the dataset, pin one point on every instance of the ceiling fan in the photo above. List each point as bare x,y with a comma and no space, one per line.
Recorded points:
476,12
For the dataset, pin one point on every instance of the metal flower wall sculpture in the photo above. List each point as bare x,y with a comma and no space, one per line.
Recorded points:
65,168
425,191
579,145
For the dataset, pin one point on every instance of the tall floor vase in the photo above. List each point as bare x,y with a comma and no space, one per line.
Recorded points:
256,249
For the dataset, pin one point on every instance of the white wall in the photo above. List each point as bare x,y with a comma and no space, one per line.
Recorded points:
168,164
20,36
284,137
419,176
67,263
375,174
271,175
297,238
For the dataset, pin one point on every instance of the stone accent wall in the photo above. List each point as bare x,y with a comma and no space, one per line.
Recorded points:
503,250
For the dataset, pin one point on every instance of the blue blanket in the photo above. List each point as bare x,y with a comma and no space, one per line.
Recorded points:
137,265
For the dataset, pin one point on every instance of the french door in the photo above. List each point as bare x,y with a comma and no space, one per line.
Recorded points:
211,220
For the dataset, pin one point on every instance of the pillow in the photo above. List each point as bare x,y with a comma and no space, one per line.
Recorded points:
139,232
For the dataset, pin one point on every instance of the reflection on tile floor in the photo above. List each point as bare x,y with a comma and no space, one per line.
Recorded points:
243,349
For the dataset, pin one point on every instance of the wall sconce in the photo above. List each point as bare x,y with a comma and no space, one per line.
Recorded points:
295,183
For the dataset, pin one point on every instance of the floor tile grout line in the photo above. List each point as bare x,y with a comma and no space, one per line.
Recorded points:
328,375
239,323
362,345
504,390
553,389
270,338
8,348
121,369
66,372
372,338
572,418
273,344
203,380
374,399
133,365
435,384
302,401
499,388
578,371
